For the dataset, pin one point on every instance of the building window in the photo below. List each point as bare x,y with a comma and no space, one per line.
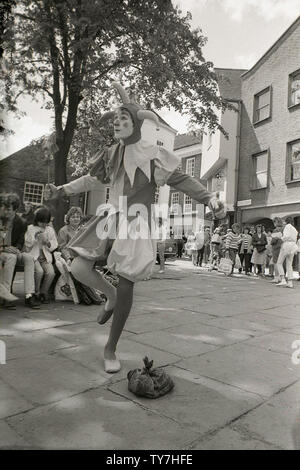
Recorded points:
187,204
156,197
293,154
262,105
260,170
294,88
190,166
107,194
174,203
159,143
33,192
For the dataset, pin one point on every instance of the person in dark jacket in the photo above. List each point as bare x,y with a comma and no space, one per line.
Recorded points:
28,214
13,230
259,242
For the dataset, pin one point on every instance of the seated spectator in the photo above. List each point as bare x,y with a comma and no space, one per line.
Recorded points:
12,244
73,219
28,214
40,242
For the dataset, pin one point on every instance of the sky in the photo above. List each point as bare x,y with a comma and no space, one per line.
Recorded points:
239,32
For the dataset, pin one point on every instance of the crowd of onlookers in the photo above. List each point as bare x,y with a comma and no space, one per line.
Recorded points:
28,240
252,249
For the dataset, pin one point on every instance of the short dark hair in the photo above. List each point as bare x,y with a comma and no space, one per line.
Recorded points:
42,215
10,199
289,220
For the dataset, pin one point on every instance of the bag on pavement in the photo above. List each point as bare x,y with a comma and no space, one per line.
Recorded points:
225,266
148,382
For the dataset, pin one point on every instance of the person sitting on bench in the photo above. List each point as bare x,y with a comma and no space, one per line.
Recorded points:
13,242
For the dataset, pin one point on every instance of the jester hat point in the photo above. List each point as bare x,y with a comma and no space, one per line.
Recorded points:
136,112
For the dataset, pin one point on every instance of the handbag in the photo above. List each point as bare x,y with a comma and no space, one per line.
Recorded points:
225,266
148,382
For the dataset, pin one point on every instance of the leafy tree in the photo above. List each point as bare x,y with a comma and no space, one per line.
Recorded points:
69,51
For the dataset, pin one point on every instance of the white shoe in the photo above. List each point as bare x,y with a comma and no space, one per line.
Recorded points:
161,271
282,283
290,284
111,366
6,295
275,281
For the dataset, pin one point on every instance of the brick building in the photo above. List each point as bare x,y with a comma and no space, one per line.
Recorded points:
26,172
182,207
220,155
269,166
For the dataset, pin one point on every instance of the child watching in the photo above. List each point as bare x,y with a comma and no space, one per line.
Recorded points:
40,241
233,239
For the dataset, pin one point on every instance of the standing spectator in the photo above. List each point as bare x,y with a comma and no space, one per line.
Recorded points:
40,241
207,239
28,214
180,244
200,246
269,260
245,250
287,252
259,242
13,242
232,242
276,243
215,248
298,256
161,245
191,247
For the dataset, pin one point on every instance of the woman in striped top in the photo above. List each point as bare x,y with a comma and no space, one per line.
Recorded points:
233,239
245,251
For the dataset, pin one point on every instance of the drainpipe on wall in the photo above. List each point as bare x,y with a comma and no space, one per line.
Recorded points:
237,162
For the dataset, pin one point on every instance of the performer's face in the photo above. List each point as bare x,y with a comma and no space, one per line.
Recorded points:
123,125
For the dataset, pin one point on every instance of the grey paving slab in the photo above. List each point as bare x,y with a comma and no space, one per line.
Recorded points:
130,353
9,439
239,324
289,311
277,421
18,321
31,343
11,401
196,402
191,340
166,341
241,365
100,420
230,439
279,342
157,320
84,333
269,319
59,317
48,377
220,309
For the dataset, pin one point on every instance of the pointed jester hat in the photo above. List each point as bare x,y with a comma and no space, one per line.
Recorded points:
136,112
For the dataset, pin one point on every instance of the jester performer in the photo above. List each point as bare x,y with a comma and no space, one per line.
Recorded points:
133,168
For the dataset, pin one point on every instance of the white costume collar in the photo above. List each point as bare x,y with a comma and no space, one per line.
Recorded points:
140,154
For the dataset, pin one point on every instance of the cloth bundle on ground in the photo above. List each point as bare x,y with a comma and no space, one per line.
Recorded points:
225,266
149,383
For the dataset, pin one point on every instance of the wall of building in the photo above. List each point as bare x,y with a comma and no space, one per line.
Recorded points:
221,147
273,134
